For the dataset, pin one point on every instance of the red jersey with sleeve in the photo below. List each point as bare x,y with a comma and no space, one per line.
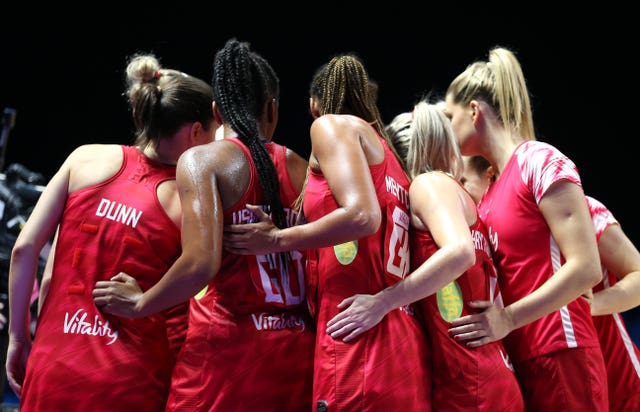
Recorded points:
81,358
386,368
525,252
621,355
465,379
250,340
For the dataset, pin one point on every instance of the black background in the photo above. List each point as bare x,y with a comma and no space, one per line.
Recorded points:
64,74
61,68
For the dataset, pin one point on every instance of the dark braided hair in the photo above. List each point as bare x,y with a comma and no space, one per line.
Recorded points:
342,86
243,82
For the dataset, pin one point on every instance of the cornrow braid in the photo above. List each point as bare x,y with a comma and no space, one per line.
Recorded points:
343,87
242,84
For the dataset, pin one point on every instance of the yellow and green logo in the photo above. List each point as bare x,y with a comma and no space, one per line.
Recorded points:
346,252
450,301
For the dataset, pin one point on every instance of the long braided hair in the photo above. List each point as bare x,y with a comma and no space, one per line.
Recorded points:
243,82
342,86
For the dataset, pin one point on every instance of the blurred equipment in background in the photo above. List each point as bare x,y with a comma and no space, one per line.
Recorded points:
20,189
8,121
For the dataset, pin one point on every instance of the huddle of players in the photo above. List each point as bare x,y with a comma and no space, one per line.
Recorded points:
363,302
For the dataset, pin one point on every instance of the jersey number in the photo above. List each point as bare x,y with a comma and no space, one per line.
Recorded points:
398,259
282,279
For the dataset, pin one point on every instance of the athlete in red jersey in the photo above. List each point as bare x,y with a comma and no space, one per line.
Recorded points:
542,240
250,340
356,205
617,293
451,263
117,210
620,260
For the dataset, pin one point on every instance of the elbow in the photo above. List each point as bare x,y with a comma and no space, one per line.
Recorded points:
204,274
23,251
593,274
366,222
462,256
467,256
199,270
587,274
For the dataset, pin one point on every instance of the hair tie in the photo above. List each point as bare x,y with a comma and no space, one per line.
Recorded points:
157,74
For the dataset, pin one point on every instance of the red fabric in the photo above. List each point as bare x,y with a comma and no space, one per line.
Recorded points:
82,358
250,340
387,367
465,379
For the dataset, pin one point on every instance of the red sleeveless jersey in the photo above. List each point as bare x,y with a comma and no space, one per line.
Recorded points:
385,368
250,340
465,379
81,358
621,355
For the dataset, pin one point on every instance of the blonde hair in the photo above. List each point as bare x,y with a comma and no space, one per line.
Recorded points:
501,84
433,145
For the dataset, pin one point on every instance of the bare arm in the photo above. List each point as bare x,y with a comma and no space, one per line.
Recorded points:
37,231
87,165
202,223
568,217
22,272
46,275
566,213
337,149
439,208
621,258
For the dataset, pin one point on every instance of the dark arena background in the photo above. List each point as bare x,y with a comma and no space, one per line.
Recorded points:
63,77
